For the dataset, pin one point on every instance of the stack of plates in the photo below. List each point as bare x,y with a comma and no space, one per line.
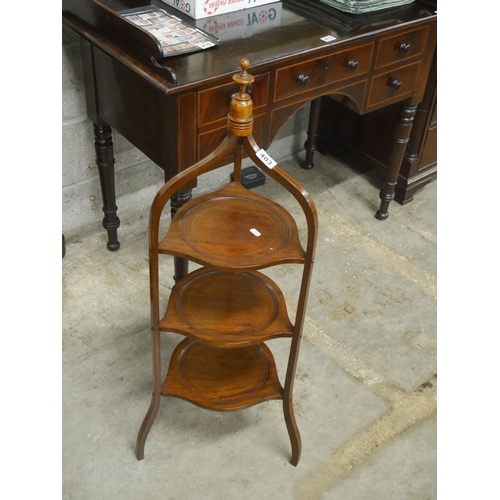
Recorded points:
362,6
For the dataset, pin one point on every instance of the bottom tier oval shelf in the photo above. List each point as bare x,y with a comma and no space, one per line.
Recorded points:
222,379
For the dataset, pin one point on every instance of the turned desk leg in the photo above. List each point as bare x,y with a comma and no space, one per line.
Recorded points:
312,133
105,161
181,266
401,137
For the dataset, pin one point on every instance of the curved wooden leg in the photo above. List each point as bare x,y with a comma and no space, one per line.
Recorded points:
401,137
146,425
105,161
156,398
293,431
312,134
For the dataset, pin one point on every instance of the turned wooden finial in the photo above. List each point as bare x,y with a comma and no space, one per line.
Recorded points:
240,118
243,78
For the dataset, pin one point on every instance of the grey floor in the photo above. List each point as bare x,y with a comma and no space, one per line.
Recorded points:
365,393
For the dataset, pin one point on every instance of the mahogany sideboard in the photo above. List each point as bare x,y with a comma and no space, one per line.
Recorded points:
175,109
369,138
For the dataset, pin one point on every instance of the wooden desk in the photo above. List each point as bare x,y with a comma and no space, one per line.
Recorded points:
174,109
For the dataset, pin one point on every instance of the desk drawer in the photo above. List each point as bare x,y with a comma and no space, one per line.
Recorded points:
400,47
391,86
213,104
309,75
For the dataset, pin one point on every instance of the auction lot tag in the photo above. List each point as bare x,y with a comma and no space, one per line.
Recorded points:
266,159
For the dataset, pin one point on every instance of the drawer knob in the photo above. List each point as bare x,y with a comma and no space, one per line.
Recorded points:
396,84
352,65
405,48
303,80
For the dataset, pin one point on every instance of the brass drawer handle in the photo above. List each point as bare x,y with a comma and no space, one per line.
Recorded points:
405,48
303,80
396,84
352,65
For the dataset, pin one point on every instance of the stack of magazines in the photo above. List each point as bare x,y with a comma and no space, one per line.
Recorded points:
362,6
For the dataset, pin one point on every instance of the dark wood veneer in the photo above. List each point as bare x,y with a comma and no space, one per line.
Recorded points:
369,138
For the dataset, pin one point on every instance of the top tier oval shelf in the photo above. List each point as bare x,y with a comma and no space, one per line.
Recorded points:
232,229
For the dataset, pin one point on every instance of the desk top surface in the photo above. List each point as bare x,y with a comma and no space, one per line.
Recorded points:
298,29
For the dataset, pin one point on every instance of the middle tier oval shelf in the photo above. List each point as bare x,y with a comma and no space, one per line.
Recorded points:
227,309
235,229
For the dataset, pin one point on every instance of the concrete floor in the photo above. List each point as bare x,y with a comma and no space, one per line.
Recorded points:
365,394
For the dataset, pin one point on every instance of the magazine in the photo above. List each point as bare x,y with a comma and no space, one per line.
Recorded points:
175,36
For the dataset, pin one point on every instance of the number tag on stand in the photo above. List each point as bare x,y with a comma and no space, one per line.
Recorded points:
266,159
